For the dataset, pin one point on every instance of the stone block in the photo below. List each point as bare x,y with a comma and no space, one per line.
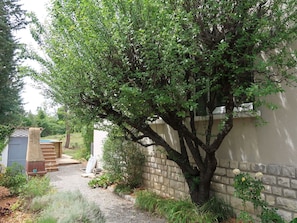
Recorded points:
283,181
274,169
233,164
230,190
293,184
277,191
216,178
267,189
218,187
225,180
286,203
258,167
177,185
245,166
220,171
287,216
290,194
224,163
268,179
158,160
157,186
270,199
288,172
236,203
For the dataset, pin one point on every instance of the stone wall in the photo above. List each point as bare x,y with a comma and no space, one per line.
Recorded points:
165,178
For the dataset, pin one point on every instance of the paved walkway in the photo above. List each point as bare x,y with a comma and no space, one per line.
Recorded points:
115,208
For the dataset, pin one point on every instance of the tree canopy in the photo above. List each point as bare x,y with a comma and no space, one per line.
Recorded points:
134,62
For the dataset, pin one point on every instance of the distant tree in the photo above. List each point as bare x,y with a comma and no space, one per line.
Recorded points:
136,62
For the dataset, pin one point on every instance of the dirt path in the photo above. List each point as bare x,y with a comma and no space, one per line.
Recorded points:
115,208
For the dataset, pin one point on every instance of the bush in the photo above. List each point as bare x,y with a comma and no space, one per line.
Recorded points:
13,178
123,159
66,207
35,187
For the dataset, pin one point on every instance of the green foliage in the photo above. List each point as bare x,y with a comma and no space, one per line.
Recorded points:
134,62
123,189
218,209
12,18
34,187
249,189
123,159
104,181
66,207
294,220
178,211
5,132
14,178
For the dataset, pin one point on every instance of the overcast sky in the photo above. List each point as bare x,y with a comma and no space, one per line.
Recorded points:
32,96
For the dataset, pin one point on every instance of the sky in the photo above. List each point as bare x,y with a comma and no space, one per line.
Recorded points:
32,95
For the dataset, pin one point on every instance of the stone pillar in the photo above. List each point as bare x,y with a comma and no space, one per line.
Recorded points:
35,163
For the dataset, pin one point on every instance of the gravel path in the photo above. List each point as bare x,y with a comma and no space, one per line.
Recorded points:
114,208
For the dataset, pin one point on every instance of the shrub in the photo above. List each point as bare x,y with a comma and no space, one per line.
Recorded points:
123,159
249,188
35,187
13,178
66,207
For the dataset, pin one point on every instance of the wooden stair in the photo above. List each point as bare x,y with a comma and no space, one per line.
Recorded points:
49,154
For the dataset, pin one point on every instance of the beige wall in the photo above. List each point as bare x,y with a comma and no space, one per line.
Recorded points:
274,142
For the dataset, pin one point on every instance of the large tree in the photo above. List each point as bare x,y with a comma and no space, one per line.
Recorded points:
133,62
12,18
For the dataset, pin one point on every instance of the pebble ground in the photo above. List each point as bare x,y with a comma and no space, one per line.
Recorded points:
115,209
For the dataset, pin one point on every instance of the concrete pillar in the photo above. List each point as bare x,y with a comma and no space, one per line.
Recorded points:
35,163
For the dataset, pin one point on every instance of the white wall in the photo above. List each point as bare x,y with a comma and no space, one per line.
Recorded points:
99,138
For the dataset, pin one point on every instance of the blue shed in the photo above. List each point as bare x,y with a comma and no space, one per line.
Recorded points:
16,149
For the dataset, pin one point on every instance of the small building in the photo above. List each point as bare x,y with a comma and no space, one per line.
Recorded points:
16,149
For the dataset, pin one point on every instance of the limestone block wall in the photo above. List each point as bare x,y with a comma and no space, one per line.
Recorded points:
165,178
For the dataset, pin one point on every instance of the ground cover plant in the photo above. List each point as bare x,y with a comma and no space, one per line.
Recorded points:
178,211
64,207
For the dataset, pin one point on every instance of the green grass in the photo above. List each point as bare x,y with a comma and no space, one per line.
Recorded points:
76,140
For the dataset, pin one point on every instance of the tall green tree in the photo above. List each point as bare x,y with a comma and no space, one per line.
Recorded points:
12,18
135,62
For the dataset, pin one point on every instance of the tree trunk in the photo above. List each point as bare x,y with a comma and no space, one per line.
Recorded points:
200,190
67,142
